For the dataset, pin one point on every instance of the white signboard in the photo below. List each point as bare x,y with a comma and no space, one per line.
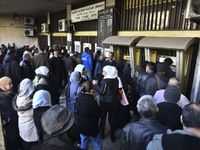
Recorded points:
87,13
86,45
77,46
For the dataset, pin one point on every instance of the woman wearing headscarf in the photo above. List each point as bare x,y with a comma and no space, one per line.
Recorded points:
9,116
22,103
41,80
72,90
81,68
41,102
108,92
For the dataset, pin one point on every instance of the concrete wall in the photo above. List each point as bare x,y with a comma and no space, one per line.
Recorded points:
11,31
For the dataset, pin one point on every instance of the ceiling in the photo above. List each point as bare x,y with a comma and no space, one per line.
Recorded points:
34,7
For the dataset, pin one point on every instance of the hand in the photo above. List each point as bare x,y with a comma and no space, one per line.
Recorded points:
95,82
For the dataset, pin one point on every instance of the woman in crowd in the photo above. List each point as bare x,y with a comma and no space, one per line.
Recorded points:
72,90
9,116
41,80
41,102
88,114
81,68
22,103
109,94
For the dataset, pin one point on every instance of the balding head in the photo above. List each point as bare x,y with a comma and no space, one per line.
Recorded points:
174,81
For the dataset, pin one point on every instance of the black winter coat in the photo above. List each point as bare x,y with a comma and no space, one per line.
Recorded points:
27,69
140,82
136,135
108,90
11,69
88,114
151,84
169,115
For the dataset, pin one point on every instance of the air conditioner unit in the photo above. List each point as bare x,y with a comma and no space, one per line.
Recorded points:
193,10
28,32
28,20
62,25
44,27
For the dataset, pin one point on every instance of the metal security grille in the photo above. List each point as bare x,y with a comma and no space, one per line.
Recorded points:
139,15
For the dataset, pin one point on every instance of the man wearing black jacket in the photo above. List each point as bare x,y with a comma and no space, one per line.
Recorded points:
136,135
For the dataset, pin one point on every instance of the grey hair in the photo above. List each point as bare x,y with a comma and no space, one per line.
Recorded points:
147,106
174,81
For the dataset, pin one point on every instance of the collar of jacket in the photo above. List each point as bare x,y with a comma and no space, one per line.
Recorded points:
8,94
152,119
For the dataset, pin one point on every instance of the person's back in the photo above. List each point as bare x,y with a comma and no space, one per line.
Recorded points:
186,139
136,135
40,59
58,135
169,112
72,90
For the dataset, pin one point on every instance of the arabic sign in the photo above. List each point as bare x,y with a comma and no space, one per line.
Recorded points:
87,13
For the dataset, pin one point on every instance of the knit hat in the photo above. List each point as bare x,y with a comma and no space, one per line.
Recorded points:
172,94
162,67
26,88
4,81
41,98
57,120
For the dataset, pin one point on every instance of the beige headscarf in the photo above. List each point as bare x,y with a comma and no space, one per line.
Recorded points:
4,81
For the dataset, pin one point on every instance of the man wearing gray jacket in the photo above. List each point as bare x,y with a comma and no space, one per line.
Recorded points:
186,139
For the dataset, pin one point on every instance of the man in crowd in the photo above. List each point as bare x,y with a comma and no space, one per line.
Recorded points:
40,59
186,139
136,135
169,112
156,81
110,60
150,69
11,69
58,124
159,95
87,62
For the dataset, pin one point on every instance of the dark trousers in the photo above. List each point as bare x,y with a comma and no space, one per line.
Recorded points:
111,109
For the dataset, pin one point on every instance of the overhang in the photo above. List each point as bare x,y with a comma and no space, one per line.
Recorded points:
171,43
122,40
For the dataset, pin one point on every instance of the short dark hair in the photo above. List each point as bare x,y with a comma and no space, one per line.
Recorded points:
168,61
87,49
152,66
191,115
112,53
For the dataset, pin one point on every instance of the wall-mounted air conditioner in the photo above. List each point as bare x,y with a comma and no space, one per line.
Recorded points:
28,32
62,25
193,10
28,20
44,27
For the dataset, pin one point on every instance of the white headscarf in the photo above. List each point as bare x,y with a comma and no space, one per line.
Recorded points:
80,68
26,88
112,73
27,52
41,98
43,70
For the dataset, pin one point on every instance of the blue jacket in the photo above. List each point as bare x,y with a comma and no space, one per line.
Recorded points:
98,68
87,60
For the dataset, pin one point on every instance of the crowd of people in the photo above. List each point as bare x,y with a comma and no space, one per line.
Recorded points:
32,80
